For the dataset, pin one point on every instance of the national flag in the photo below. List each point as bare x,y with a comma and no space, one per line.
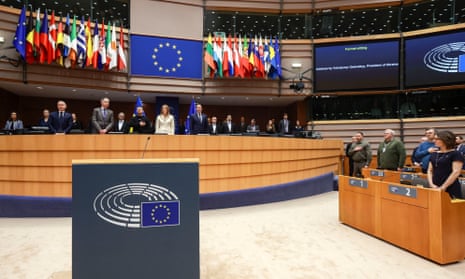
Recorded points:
43,38
164,57
95,46
52,39
102,53
89,46
139,103
112,53
258,58
208,57
266,57
82,43
230,57
188,118
121,55
226,52
245,64
218,56
107,46
237,59
160,213
66,38
276,62
252,66
60,43
72,55
37,35
19,41
272,59
30,53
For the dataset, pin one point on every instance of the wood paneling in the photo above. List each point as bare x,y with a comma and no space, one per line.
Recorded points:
40,165
430,224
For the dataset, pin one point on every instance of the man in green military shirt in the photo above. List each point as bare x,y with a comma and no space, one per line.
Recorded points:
391,152
360,152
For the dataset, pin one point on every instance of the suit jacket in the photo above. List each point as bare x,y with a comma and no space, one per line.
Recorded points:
282,128
242,127
254,128
217,131
197,126
99,122
60,125
44,123
17,125
226,129
123,129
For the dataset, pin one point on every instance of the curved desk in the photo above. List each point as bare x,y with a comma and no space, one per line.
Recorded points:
40,165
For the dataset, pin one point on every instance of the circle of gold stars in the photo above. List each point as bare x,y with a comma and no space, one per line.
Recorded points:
167,68
163,220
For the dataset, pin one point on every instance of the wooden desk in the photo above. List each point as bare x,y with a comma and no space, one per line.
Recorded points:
423,221
40,165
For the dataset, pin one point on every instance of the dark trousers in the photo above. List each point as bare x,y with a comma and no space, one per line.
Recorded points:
358,166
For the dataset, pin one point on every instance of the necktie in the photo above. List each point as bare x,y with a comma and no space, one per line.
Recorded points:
12,125
61,114
104,113
200,117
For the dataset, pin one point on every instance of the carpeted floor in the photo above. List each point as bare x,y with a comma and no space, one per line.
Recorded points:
298,239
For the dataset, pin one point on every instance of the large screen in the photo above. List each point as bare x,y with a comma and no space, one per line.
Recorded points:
357,66
435,60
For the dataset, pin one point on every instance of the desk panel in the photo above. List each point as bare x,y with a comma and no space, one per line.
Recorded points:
40,165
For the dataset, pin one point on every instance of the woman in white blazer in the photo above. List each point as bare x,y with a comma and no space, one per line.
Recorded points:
164,123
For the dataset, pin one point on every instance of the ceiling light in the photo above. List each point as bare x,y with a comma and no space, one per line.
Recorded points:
296,65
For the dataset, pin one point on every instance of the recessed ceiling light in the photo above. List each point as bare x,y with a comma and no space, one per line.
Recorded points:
74,90
39,87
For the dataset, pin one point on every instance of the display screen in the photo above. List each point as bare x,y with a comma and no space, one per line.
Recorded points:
357,66
435,60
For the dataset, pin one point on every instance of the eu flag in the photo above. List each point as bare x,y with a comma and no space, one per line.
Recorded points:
160,213
163,57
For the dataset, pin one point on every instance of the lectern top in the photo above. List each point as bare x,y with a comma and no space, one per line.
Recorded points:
135,161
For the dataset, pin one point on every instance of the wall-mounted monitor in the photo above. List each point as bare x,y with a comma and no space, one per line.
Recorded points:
435,59
356,66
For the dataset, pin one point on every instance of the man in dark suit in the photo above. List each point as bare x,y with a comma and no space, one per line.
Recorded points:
199,123
140,124
121,125
60,121
102,117
228,126
242,125
285,125
214,128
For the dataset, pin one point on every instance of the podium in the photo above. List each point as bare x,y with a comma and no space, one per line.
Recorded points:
135,219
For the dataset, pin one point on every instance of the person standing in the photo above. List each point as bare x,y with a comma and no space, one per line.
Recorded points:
43,122
391,152
253,127
140,124
60,121
228,126
351,162
425,149
360,152
121,125
13,123
460,147
445,166
199,122
214,128
243,125
77,125
284,125
164,124
102,117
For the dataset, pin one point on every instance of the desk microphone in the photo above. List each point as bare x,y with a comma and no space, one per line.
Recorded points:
145,148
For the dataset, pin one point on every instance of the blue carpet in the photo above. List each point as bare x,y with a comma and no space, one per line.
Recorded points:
24,206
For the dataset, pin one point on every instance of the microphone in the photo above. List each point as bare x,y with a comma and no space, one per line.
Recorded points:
145,148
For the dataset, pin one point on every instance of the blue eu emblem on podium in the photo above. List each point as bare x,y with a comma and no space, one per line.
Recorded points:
160,213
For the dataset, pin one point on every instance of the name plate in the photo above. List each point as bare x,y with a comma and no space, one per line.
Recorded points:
407,176
403,191
379,173
358,183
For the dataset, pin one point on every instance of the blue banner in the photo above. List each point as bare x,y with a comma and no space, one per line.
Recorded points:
163,57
